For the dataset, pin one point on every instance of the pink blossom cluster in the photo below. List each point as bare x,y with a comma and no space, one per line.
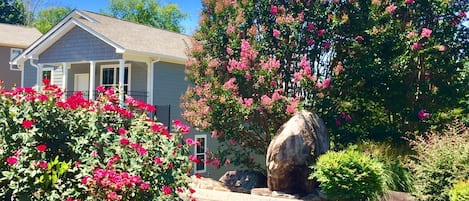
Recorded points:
114,181
179,126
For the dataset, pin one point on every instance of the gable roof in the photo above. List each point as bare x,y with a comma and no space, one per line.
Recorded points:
126,37
17,36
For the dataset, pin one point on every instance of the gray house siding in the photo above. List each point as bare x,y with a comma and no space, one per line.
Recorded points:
138,80
78,45
29,77
10,78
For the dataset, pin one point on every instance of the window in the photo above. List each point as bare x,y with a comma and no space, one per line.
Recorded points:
199,152
47,74
110,76
14,52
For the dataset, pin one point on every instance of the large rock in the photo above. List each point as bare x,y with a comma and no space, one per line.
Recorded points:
244,179
297,144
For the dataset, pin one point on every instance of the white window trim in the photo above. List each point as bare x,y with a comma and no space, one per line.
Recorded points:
11,58
116,69
205,155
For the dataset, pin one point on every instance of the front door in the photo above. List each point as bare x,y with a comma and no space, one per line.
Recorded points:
82,83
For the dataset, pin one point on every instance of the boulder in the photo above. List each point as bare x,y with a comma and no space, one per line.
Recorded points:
296,145
245,179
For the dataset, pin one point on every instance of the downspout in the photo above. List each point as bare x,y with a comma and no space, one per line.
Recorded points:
38,73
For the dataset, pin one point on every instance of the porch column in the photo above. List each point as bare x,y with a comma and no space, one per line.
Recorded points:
39,76
150,82
65,75
121,80
92,80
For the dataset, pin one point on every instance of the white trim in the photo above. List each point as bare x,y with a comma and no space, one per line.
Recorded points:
205,155
116,67
11,53
51,74
64,75
92,82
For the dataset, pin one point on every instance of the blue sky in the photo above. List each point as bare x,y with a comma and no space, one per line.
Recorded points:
191,7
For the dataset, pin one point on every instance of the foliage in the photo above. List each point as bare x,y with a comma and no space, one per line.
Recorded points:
48,17
395,65
350,175
11,12
441,160
57,149
393,159
403,65
460,191
148,12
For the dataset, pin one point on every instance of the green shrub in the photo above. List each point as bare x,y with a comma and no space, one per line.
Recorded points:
393,158
460,191
350,175
55,149
441,160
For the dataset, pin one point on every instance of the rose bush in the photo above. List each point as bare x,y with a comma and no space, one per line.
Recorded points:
76,149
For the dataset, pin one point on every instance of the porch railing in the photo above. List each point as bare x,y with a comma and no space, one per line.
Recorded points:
137,95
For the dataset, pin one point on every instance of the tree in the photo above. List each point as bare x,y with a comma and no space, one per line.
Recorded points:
148,12
11,12
48,17
372,70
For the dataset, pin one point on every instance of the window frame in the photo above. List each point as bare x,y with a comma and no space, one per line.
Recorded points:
116,78
196,154
11,57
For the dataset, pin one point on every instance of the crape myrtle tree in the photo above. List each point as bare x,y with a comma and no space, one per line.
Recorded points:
371,69
404,64
253,64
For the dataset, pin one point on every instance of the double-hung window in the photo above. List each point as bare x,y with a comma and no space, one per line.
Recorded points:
14,52
200,153
110,77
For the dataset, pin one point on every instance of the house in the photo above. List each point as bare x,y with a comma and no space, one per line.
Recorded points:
13,39
86,50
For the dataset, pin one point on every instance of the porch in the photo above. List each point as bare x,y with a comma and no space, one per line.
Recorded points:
131,77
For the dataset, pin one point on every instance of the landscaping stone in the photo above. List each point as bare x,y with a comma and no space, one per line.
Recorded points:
297,144
245,179
314,196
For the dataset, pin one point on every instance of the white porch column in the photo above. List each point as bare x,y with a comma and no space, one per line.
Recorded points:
39,76
121,80
92,80
150,82
64,76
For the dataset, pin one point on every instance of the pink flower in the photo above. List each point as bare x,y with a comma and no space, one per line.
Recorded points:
215,162
276,33
248,76
233,141
327,45
227,162
158,161
142,151
324,84
122,131
167,190
423,115
12,160
248,102
426,32
43,164
359,39
100,89
310,27
27,124
320,32
391,8
41,147
274,10
411,34
144,186
230,84
442,48
194,159
338,123
189,141
124,141
113,196
94,153
84,180
310,41
265,100
292,107
409,1
416,46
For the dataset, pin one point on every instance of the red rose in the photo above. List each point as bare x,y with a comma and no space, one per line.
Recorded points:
41,147
27,124
12,160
